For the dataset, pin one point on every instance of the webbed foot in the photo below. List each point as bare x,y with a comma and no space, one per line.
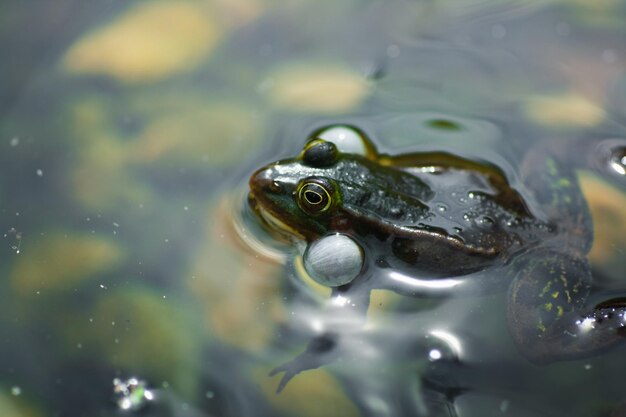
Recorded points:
320,351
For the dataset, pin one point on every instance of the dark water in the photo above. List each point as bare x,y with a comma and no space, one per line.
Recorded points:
128,131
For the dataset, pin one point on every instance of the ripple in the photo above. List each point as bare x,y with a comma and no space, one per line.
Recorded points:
609,157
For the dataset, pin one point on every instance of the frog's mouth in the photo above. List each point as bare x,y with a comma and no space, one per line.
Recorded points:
273,223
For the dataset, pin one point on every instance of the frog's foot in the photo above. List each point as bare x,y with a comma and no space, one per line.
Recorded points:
320,351
547,315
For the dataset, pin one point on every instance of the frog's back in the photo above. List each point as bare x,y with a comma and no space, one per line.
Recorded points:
437,213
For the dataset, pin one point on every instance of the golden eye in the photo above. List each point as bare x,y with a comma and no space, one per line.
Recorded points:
314,197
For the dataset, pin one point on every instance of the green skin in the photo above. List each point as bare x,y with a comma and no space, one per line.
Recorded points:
392,207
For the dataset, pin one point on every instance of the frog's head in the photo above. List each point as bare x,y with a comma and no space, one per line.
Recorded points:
298,196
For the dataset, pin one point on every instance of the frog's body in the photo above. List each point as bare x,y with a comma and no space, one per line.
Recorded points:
433,215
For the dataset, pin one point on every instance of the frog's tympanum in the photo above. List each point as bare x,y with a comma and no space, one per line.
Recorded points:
429,219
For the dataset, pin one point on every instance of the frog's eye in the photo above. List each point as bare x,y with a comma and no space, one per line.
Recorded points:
315,195
319,153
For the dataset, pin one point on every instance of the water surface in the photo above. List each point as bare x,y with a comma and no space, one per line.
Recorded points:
128,131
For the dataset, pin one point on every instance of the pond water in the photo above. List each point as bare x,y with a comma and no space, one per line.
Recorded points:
132,280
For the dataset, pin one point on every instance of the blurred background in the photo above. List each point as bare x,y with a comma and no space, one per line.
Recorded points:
128,130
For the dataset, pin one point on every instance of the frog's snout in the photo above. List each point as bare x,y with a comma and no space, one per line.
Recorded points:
262,182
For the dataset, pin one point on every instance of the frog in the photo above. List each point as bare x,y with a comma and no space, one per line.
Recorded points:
433,220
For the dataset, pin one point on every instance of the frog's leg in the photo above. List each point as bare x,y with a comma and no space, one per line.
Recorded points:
349,303
321,350
556,191
547,310
547,314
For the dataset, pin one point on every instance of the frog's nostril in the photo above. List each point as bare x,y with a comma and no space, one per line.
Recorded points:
263,181
274,187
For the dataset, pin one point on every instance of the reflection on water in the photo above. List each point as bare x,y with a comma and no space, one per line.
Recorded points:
127,130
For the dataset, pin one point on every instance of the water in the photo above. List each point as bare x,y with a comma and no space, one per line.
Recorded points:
128,131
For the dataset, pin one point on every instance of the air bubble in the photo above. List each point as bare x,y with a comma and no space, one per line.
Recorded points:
618,160
132,394
333,260
347,139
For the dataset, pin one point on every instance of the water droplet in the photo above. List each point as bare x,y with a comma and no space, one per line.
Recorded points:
486,221
473,195
396,212
442,208
434,355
